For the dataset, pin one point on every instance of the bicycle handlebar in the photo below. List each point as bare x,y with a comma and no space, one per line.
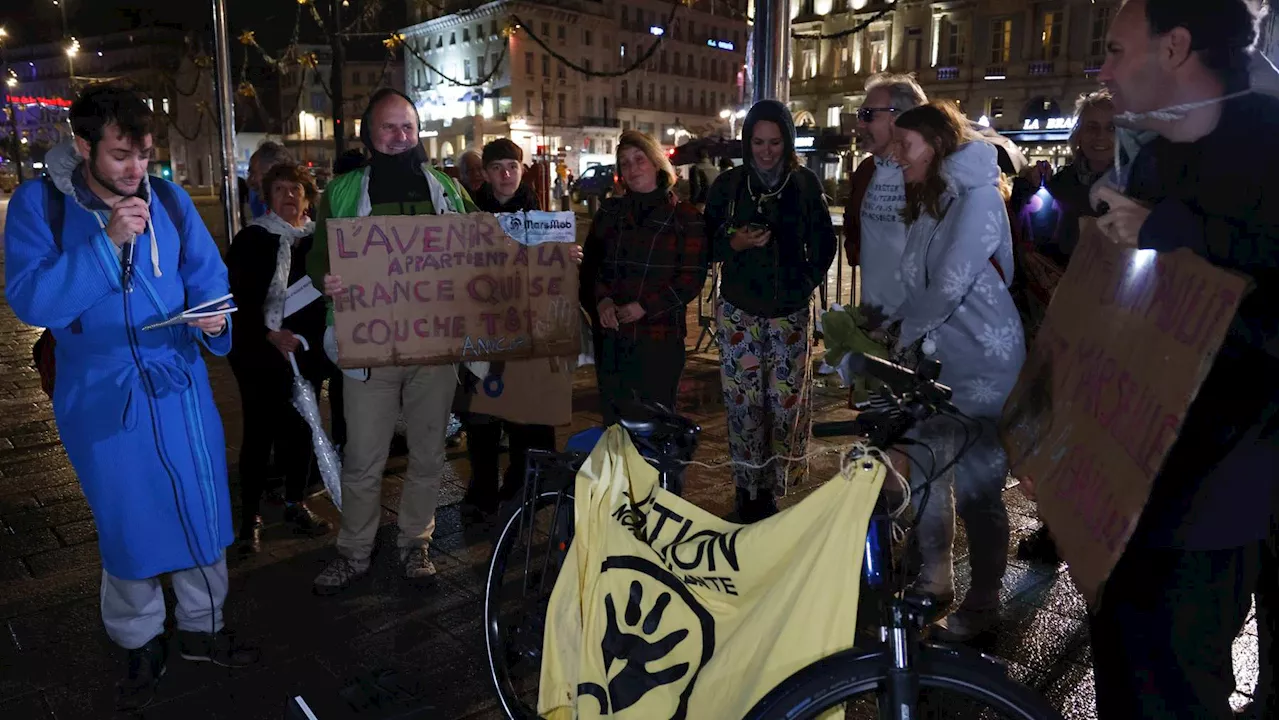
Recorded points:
908,398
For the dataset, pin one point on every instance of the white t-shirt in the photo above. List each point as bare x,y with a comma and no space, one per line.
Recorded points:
884,237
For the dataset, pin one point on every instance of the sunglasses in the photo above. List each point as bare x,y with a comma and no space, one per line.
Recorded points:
867,114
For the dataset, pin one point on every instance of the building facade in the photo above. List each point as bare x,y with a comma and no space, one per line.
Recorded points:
306,108
493,80
167,66
1020,64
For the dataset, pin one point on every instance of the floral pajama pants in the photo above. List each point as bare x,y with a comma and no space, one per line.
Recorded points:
762,370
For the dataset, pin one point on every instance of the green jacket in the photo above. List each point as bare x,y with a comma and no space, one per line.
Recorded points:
343,197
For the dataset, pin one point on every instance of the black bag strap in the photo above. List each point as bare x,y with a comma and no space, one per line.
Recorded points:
55,213
166,193
55,210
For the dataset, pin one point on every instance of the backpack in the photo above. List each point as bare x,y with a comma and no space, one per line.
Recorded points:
55,210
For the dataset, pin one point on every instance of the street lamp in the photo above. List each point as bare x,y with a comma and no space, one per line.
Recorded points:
11,81
72,49
731,115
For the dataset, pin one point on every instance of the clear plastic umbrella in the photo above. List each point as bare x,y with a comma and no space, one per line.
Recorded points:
304,401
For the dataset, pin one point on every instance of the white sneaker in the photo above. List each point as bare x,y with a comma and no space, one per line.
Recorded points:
416,563
339,575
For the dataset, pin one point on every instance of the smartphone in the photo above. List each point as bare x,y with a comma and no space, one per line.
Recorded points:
757,227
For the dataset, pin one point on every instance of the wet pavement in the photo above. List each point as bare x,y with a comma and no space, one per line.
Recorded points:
56,662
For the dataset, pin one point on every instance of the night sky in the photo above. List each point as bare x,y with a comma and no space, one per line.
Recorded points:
272,21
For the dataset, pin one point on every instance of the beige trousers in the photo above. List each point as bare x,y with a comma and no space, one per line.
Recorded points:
424,393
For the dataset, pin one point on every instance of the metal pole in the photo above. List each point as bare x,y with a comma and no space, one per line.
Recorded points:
13,114
335,81
226,119
771,51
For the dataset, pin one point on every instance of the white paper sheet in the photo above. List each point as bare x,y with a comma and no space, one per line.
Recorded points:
300,295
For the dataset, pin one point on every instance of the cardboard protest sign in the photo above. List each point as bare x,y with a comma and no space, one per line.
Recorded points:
1128,339
538,391
436,289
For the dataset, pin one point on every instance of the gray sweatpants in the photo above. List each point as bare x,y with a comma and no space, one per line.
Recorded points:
972,489
133,610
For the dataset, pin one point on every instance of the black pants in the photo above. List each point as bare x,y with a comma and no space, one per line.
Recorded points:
1162,636
272,423
484,435
642,368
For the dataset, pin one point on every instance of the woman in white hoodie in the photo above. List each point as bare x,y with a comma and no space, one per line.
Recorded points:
956,267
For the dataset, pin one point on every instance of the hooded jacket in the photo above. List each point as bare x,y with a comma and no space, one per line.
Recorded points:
779,278
133,406
956,300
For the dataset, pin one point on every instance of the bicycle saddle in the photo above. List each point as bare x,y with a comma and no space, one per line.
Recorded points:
647,419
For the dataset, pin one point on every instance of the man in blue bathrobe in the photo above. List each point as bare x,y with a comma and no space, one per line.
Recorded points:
96,251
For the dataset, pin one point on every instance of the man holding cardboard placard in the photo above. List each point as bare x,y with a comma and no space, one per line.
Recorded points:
1165,621
397,181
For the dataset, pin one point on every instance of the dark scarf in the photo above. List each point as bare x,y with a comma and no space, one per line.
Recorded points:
641,205
524,199
397,178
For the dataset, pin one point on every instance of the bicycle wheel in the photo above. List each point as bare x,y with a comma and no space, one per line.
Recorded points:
527,558
954,685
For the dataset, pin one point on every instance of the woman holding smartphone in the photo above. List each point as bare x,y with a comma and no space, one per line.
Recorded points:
771,229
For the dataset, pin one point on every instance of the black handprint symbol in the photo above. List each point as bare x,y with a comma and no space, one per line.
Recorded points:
621,642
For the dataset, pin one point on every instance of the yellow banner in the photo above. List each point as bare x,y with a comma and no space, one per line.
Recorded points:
666,611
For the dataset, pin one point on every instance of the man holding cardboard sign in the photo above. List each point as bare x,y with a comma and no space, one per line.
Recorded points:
1178,572
396,181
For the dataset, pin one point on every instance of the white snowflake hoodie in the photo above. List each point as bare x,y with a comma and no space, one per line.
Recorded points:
956,300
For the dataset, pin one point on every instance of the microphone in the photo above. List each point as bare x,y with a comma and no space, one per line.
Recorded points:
126,262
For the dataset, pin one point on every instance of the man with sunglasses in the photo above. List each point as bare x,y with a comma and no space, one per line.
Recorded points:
874,231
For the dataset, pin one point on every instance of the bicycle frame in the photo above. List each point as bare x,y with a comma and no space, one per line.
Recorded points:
902,618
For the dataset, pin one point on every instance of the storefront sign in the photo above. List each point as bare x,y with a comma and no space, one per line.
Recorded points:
1050,124
721,44
1128,338
436,289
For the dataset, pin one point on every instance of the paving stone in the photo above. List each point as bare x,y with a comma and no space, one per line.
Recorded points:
27,543
59,493
13,570
60,514
77,532
64,559
17,502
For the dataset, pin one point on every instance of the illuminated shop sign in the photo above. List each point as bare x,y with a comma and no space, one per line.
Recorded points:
1050,124
722,44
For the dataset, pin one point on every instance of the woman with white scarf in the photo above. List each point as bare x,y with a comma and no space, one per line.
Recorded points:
266,259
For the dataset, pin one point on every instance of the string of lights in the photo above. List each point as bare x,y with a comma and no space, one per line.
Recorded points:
644,57
397,39
371,10
843,33
202,109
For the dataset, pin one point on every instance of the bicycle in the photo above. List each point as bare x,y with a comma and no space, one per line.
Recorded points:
905,678
514,627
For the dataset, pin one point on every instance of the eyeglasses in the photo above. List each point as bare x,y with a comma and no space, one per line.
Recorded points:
867,114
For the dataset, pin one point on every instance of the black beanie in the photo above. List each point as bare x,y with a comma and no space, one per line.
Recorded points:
501,149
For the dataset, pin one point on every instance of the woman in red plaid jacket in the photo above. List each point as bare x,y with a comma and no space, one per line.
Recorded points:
644,261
